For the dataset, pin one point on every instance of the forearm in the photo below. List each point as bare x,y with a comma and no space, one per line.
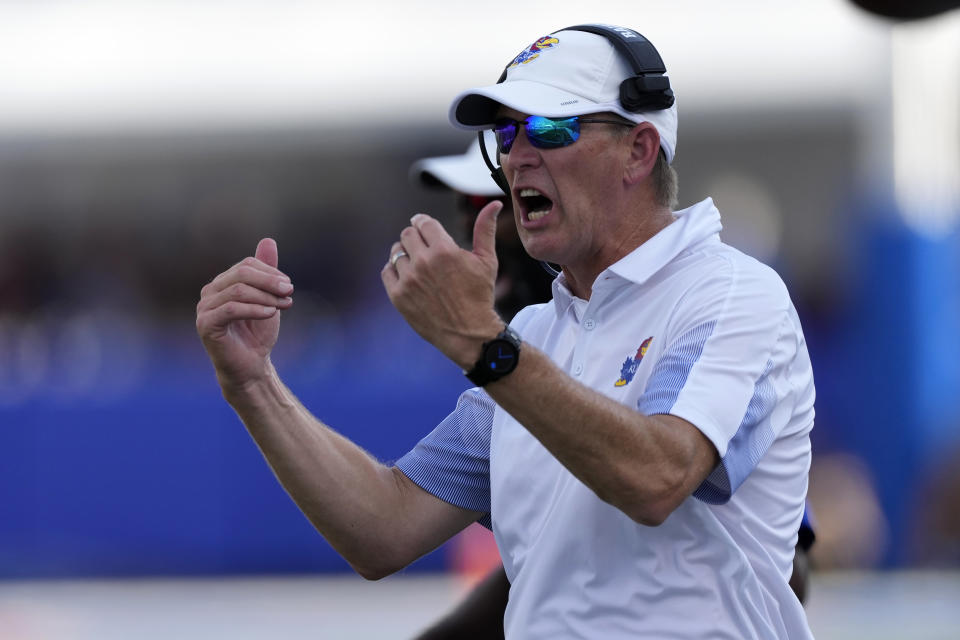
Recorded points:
644,465
356,503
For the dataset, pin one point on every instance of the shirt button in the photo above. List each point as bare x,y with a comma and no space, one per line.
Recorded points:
589,324
577,370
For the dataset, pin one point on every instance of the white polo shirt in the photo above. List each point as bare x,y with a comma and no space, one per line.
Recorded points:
684,325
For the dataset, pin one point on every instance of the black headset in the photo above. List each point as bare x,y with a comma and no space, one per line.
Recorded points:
647,90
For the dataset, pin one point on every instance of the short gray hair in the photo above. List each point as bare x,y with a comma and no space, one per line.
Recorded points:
665,182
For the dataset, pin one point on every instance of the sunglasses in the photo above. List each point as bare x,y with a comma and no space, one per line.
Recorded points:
543,132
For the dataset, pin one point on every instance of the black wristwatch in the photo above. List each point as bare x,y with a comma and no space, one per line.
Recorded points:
498,357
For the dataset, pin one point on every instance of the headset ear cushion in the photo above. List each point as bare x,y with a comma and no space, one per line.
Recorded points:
650,93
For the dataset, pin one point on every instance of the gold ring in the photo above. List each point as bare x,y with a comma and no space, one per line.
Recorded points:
397,256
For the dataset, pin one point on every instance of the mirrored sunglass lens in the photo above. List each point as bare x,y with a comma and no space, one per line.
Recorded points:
549,133
505,132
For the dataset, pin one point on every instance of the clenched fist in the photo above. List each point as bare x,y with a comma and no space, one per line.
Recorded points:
238,316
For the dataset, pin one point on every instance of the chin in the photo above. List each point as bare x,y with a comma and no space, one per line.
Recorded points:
542,252
533,252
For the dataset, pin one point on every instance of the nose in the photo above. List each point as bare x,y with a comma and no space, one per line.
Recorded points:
522,154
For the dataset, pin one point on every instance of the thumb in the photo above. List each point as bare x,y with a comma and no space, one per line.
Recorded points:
267,252
485,230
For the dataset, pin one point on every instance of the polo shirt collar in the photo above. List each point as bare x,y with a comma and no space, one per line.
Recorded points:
562,297
692,225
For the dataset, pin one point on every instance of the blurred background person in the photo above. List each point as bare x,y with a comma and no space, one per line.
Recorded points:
521,280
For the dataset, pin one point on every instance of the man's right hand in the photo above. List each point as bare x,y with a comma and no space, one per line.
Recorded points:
376,517
238,317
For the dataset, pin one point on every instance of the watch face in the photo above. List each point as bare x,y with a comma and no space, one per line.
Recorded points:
500,356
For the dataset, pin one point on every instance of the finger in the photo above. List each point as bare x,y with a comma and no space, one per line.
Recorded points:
398,257
485,230
412,242
251,261
267,252
242,292
431,230
234,311
389,274
253,273
390,278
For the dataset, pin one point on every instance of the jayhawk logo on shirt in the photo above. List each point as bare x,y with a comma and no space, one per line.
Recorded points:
533,50
630,365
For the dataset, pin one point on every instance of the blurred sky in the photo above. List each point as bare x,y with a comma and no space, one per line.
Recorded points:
113,63
120,65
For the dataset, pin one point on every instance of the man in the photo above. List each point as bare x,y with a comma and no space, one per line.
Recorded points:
649,497
520,282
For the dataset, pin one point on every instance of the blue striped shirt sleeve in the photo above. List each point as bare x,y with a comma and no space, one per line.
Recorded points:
453,461
753,435
720,375
671,371
752,439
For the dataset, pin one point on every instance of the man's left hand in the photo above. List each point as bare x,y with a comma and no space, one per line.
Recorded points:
444,292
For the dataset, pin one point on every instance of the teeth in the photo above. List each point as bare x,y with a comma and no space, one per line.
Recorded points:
529,192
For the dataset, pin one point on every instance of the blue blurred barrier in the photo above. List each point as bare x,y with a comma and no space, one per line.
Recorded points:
888,375
149,471
121,458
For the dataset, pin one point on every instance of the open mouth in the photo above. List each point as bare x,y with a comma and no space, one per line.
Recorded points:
535,204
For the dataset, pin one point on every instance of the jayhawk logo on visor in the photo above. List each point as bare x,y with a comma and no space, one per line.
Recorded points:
534,50
630,365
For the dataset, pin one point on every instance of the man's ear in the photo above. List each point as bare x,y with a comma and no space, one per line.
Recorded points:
644,146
